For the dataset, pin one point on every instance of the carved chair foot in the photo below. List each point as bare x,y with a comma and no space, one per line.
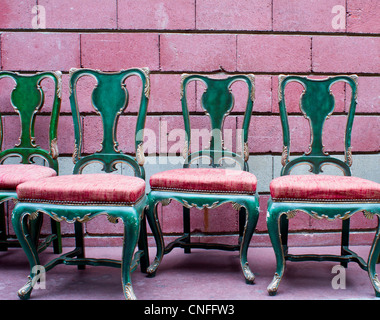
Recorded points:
128,292
153,268
273,286
26,290
248,274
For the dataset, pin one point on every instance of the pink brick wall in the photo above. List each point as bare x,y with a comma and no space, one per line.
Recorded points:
265,37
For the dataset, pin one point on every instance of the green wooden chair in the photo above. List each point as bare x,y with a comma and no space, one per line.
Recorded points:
81,197
327,197
212,186
27,98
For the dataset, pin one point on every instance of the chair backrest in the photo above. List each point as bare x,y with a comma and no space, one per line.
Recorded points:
27,98
317,103
217,102
110,98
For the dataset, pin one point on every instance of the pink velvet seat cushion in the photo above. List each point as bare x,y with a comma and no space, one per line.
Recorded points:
99,188
205,180
324,187
11,175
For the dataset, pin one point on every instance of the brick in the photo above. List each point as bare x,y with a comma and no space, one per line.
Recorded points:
263,94
6,87
197,52
126,134
171,135
359,222
368,95
273,53
241,15
86,14
113,52
293,92
264,135
11,129
221,219
16,15
11,126
261,223
363,16
93,133
165,94
306,15
48,87
40,51
346,54
333,133
299,134
66,135
101,226
156,14
365,137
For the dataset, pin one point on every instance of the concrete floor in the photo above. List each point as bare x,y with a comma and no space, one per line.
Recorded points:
201,275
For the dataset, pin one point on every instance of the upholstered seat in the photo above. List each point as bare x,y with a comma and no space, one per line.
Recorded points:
84,188
324,187
205,180
11,175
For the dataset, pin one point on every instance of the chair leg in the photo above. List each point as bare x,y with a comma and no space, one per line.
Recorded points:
79,242
3,229
372,259
35,226
131,237
186,228
275,237
242,222
284,231
20,225
252,215
57,242
154,224
143,245
345,240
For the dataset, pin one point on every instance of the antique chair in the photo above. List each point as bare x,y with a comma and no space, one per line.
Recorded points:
81,197
27,98
209,187
327,197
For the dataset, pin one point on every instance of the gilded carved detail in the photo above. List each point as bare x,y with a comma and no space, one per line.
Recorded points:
140,157
54,148
147,84
205,206
348,156
128,292
284,156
